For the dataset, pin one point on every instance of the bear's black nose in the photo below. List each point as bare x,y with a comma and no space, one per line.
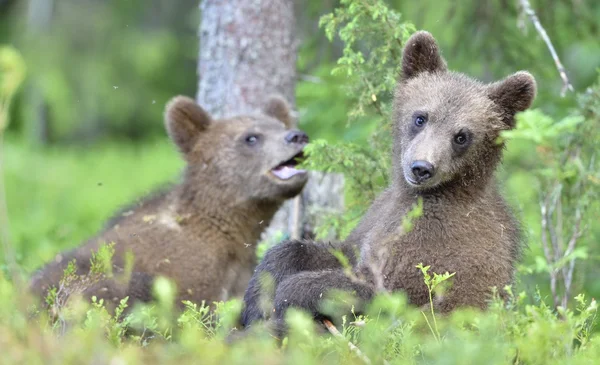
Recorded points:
422,170
296,137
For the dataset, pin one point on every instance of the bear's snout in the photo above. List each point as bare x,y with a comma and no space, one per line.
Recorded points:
296,137
422,171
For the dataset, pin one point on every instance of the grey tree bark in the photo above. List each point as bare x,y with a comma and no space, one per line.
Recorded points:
39,18
248,50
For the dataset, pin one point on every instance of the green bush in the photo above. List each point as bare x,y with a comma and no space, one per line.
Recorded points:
511,332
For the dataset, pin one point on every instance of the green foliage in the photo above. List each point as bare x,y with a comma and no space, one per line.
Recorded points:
115,325
373,36
323,103
101,261
541,129
12,74
59,196
567,175
108,72
511,332
415,212
433,283
468,34
365,173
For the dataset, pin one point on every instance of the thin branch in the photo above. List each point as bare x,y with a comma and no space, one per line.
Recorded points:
547,253
334,331
542,32
576,233
554,237
376,102
568,273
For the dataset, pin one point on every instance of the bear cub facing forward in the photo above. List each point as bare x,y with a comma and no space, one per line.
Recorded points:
202,232
445,152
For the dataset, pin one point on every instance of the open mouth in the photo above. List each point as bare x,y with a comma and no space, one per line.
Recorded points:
412,181
415,183
287,169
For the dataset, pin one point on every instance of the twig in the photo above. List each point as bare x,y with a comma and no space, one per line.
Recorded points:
296,221
542,32
374,97
568,273
334,331
547,253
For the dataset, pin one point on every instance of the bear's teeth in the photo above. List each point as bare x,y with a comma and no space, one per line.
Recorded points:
286,172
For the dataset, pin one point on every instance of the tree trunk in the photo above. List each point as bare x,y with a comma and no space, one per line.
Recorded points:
248,51
39,18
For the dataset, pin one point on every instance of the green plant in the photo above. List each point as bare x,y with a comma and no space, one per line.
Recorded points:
12,74
433,284
373,36
567,177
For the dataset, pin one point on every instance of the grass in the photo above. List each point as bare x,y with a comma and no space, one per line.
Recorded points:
58,197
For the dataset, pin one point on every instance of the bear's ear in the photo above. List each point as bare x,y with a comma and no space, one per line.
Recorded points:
421,54
278,108
513,94
185,120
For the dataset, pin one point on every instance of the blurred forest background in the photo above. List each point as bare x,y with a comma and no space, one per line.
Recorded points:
86,133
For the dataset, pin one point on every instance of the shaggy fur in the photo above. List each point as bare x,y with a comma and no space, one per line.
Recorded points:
445,152
202,232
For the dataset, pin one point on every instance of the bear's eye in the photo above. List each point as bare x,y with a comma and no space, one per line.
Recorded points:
252,139
460,138
420,120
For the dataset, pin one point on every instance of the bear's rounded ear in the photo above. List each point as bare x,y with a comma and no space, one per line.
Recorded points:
278,108
421,54
513,94
185,120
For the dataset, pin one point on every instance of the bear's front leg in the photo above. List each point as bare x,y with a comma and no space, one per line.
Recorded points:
285,259
311,290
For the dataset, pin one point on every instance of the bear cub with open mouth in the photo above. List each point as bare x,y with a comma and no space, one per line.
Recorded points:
202,232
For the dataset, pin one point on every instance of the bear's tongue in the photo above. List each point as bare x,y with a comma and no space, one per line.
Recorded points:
286,172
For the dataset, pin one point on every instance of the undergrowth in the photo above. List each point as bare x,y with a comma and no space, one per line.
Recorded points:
510,332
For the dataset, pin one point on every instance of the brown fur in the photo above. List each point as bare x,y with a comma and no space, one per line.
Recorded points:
466,228
202,232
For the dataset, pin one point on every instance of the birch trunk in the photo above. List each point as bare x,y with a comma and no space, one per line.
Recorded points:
248,50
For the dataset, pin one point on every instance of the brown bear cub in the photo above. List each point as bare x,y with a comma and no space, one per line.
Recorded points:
202,232
446,149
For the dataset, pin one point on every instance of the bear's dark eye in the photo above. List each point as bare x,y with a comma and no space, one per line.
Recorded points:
460,138
252,139
420,120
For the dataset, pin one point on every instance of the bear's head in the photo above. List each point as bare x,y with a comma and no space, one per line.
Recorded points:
446,125
251,157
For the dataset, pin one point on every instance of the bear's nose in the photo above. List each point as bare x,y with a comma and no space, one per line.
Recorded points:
296,137
422,170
